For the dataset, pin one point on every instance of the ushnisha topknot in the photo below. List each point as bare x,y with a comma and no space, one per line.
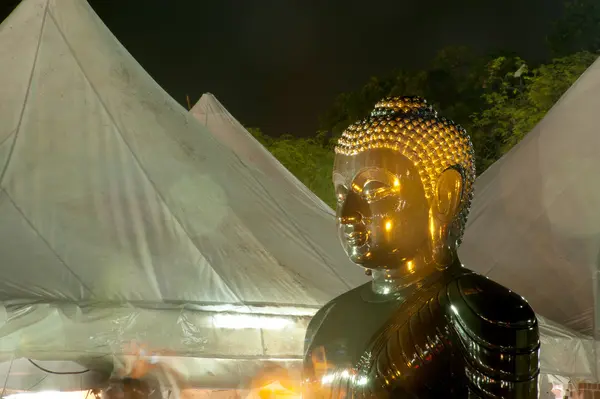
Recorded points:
412,127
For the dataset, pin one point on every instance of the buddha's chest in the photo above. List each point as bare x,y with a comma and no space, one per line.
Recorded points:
401,344
345,334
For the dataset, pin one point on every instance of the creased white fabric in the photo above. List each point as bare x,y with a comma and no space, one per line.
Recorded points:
134,199
112,194
535,220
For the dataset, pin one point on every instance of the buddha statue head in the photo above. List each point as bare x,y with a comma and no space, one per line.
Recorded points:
404,182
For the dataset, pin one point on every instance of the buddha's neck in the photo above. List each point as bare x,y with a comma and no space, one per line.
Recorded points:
390,281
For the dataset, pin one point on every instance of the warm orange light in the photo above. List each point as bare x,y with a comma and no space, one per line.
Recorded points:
276,390
139,359
388,226
432,226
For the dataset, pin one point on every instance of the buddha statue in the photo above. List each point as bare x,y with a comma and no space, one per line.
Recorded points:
425,326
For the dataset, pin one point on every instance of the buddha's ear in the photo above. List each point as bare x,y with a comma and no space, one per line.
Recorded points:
448,194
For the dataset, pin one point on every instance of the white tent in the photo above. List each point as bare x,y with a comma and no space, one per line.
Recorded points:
122,218
225,128
535,222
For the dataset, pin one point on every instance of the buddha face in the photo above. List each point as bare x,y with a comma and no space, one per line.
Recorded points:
382,211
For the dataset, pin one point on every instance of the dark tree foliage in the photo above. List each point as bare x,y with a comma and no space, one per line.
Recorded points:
578,30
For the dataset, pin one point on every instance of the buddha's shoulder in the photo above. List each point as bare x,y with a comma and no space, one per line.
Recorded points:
337,305
348,299
488,310
483,296
345,302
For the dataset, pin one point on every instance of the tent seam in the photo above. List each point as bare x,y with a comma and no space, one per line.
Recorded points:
46,241
26,99
8,137
12,359
133,155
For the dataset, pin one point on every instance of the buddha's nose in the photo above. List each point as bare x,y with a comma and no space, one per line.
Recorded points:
349,212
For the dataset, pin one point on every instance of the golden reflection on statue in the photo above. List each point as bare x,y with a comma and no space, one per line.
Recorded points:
425,327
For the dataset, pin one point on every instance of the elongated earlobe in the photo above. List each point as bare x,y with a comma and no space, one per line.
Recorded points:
444,210
448,194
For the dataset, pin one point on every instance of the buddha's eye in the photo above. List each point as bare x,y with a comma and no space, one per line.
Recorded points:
340,193
375,190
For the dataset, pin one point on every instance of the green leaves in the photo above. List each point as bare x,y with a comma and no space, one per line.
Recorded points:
578,30
519,101
309,159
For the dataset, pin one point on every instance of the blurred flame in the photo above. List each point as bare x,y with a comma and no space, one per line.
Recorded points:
274,381
319,361
139,361
326,374
276,390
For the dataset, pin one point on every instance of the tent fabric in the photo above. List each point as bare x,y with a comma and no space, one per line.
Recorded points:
211,113
535,226
567,353
121,216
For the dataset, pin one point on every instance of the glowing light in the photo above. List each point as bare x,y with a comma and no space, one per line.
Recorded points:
362,380
410,266
454,310
388,225
263,310
242,321
277,390
432,229
396,183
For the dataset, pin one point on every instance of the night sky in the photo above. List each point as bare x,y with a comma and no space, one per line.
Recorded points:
279,64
